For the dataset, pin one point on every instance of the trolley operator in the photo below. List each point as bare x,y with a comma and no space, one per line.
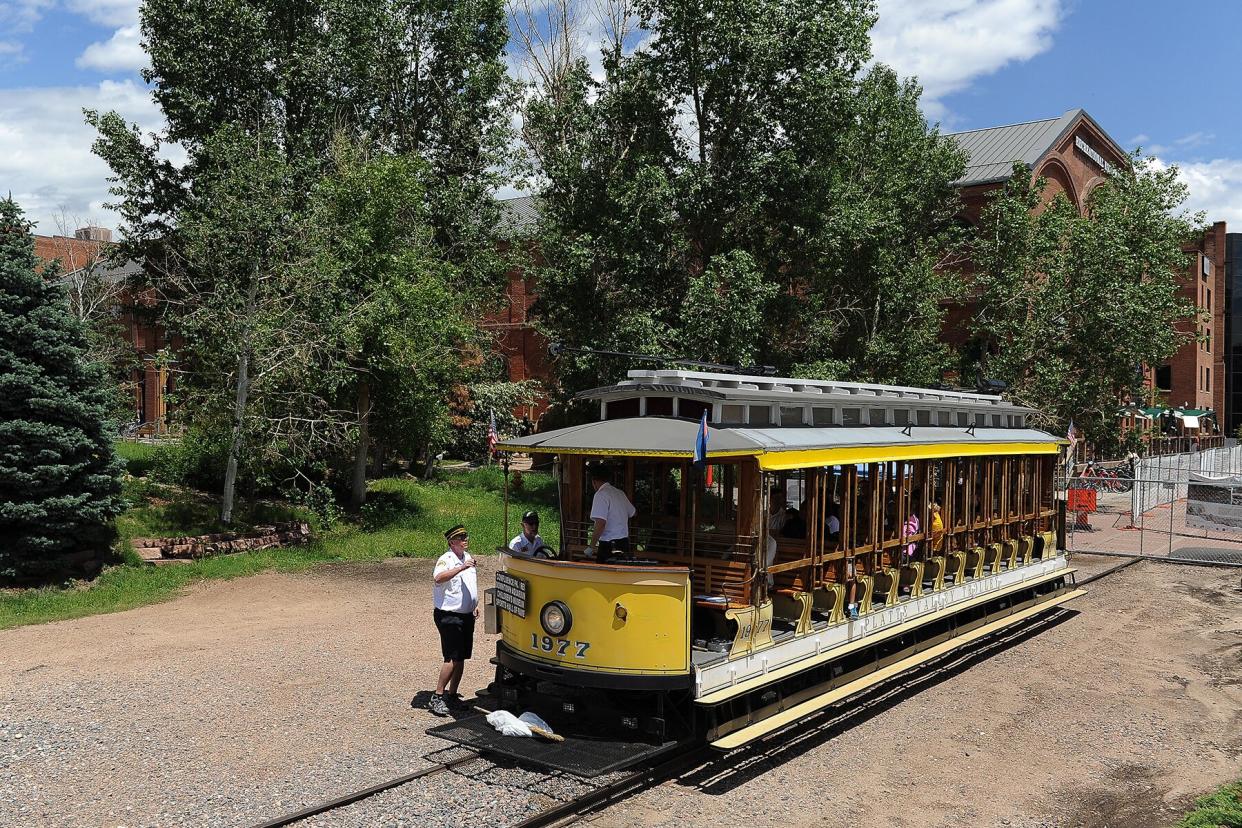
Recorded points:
611,510
529,542
456,592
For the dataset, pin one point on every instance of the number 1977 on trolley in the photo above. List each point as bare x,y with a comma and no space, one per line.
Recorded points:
547,644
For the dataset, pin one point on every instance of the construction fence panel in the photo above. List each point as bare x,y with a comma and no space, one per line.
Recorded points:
1187,508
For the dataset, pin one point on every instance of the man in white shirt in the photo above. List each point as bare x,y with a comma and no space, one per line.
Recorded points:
529,542
611,510
455,588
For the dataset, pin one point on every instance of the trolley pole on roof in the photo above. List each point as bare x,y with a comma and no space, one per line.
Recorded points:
504,464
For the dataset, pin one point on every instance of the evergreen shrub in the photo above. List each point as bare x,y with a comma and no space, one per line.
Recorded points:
60,478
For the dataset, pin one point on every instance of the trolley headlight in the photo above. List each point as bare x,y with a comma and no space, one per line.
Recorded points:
555,618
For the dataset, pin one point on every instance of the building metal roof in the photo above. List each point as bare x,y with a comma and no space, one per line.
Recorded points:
993,151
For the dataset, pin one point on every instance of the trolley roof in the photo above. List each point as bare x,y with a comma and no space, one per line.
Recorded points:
792,390
783,447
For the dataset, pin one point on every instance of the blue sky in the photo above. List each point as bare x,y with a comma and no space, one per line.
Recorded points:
1150,72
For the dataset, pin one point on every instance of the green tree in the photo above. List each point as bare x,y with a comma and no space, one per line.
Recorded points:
425,81
59,477
426,78
401,326
743,131
1070,306
246,314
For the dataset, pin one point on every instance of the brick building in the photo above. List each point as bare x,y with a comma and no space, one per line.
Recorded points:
83,255
523,348
1195,376
1072,152
1075,155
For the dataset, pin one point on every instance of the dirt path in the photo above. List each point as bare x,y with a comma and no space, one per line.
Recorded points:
242,698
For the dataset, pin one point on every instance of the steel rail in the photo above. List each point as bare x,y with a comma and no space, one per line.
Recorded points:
350,798
567,813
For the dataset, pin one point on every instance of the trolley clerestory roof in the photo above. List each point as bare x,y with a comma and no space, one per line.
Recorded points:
779,448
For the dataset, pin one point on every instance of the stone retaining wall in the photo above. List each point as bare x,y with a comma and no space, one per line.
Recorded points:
224,543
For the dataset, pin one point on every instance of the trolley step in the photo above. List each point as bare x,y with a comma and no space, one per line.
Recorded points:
770,724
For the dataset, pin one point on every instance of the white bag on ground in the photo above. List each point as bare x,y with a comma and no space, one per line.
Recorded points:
510,725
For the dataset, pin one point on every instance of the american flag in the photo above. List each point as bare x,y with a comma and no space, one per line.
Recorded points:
492,437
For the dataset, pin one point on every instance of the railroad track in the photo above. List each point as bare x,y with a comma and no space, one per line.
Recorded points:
708,764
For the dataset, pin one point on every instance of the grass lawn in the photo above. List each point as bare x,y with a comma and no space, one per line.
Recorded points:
138,457
1222,808
402,517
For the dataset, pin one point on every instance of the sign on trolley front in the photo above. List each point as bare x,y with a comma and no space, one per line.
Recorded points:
510,594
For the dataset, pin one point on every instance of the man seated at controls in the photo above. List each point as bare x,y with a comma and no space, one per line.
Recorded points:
611,511
528,541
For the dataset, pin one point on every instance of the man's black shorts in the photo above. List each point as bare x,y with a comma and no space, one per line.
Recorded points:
612,548
456,634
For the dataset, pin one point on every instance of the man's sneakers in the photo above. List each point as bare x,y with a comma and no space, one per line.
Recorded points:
440,705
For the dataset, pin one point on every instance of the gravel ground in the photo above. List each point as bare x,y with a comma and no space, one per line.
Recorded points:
248,699
239,702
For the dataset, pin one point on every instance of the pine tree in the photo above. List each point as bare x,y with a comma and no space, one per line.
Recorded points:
59,476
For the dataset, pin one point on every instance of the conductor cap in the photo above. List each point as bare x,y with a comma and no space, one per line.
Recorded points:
456,532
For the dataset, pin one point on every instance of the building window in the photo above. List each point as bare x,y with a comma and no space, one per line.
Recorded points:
1207,383
1164,378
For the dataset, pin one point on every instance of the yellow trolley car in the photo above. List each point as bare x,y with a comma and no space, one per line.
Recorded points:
729,617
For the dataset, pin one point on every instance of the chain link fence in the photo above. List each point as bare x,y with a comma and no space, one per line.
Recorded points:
1184,507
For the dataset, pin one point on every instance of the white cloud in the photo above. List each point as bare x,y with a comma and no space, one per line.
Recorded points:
21,15
12,51
107,12
947,44
1215,188
1195,139
45,147
121,52
18,17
